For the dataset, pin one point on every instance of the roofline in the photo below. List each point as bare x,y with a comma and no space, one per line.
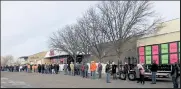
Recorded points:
23,56
170,20
38,53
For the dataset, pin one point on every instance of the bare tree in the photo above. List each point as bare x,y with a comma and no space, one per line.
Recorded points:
90,33
66,39
17,62
7,60
123,20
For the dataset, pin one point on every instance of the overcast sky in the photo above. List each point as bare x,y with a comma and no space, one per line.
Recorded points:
26,26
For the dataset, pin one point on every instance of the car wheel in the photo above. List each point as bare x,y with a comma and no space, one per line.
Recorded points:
131,76
122,76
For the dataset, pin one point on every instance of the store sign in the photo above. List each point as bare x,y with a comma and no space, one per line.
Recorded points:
173,47
173,58
164,48
142,59
148,50
141,50
148,60
164,59
155,49
51,53
156,58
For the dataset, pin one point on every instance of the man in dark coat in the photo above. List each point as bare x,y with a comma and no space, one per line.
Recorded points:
114,66
39,68
69,69
154,68
175,75
56,67
50,68
108,70
42,68
126,68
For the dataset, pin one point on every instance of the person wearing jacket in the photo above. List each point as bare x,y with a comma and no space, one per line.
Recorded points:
99,70
72,68
28,68
39,68
137,71
108,72
154,68
69,69
93,68
175,75
56,68
114,66
65,68
42,68
86,70
83,69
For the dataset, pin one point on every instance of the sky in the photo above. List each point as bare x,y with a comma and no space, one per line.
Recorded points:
27,25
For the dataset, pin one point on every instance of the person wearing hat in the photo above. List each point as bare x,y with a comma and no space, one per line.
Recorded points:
114,66
108,71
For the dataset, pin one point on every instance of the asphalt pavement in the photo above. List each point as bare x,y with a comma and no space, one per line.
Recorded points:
36,80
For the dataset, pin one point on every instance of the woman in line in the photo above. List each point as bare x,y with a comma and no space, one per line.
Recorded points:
137,73
142,71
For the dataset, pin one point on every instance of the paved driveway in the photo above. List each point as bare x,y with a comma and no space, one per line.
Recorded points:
35,80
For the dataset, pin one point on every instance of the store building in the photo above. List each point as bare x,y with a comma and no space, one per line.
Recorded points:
163,46
38,58
61,57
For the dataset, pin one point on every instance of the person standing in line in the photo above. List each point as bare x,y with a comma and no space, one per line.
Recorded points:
137,73
36,68
43,69
46,68
114,66
69,69
53,69
79,69
142,71
175,75
50,69
65,68
126,68
76,69
57,68
28,68
93,69
108,71
31,68
83,70
154,68
39,68
99,70
72,68
86,70
20,68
